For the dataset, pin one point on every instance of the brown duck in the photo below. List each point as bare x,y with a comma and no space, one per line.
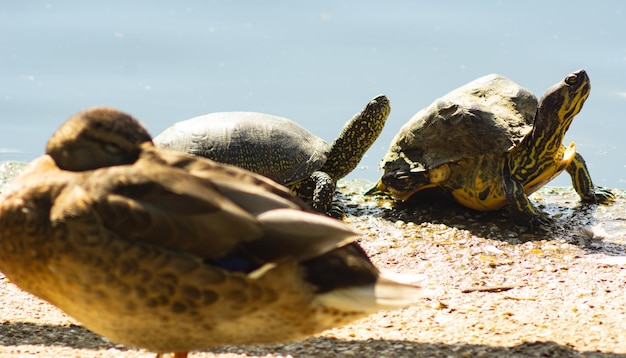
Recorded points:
171,253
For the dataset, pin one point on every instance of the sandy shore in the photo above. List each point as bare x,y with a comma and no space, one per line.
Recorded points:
502,291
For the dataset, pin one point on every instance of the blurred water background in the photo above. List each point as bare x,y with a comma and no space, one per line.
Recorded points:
316,62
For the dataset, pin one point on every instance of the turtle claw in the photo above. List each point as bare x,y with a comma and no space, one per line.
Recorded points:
336,212
601,195
542,222
535,222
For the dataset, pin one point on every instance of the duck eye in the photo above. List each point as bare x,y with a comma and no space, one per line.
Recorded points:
571,79
111,148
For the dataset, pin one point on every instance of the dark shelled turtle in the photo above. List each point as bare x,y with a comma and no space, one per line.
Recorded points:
281,149
490,144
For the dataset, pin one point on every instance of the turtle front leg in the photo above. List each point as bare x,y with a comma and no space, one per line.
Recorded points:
522,209
318,191
581,180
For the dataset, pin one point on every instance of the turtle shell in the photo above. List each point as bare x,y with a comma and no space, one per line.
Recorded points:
275,147
489,114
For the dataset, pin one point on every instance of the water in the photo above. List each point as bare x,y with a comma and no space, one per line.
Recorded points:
314,62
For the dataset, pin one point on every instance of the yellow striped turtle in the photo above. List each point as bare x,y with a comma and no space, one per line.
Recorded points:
490,144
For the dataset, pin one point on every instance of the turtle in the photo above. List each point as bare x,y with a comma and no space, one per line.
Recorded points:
280,148
161,250
490,144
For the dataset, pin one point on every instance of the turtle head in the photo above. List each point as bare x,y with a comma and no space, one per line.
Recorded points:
95,138
565,99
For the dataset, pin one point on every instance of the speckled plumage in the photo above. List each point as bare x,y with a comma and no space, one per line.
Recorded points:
172,253
281,149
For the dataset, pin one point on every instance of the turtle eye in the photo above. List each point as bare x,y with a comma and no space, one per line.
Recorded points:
571,79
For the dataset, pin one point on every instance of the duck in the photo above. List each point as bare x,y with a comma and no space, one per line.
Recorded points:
159,250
